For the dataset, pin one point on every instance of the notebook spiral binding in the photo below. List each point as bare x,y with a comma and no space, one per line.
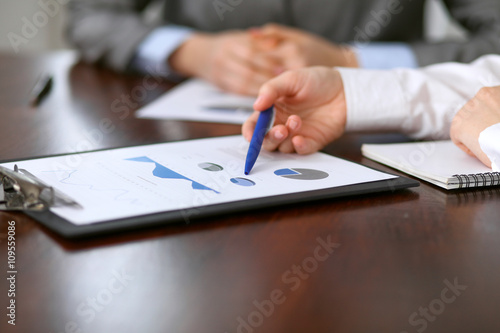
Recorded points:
478,180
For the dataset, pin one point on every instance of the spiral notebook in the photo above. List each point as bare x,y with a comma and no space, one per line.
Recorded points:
438,162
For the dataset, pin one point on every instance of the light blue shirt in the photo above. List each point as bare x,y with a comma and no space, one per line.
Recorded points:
154,51
378,55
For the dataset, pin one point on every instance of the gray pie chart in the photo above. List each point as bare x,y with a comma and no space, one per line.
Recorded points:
301,174
210,167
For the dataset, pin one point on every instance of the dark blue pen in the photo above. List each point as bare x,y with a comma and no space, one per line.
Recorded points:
264,123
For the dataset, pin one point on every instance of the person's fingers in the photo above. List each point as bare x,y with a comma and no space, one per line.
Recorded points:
264,100
293,125
267,64
483,158
270,30
467,143
304,146
275,137
466,128
263,42
247,71
291,55
276,31
464,148
241,79
250,55
285,85
267,43
470,145
264,64
234,84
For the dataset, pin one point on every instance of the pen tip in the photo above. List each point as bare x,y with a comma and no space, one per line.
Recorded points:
246,173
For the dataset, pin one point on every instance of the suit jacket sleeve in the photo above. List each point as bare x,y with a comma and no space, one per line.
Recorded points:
108,31
481,18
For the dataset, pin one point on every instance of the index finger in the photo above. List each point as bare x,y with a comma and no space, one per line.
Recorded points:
284,85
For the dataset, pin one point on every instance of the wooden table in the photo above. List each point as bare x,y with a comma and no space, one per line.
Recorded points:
417,260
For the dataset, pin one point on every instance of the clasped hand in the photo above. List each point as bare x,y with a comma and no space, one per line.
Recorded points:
242,61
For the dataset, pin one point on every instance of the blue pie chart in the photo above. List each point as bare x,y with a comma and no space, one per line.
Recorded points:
242,182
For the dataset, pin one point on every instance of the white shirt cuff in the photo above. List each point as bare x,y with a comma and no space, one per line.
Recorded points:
489,141
374,100
385,55
153,53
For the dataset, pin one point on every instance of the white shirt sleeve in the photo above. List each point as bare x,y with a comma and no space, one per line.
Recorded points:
418,102
489,141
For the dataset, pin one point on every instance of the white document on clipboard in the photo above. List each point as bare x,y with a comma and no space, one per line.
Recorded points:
136,181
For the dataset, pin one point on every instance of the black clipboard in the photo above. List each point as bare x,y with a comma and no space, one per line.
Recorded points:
67,229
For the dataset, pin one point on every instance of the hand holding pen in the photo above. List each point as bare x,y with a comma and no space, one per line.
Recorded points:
310,110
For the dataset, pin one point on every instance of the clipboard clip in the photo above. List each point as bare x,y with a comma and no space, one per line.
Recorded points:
21,190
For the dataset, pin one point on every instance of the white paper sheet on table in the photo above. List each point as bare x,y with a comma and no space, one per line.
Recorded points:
198,100
135,181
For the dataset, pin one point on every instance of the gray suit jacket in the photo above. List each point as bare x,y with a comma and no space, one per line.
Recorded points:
109,31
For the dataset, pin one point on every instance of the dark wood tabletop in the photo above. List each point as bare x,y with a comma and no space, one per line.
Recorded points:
417,260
